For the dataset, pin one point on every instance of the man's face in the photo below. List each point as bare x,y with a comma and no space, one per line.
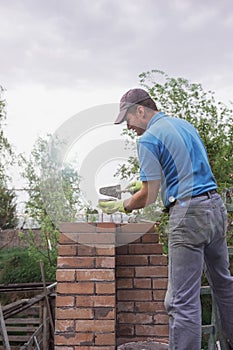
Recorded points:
136,121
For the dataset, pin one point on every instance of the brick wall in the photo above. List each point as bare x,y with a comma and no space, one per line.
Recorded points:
11,238
105,295
141,282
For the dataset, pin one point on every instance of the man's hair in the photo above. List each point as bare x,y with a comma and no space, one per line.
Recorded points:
148,103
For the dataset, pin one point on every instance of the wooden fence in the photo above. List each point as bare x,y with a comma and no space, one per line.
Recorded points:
216,340
28,324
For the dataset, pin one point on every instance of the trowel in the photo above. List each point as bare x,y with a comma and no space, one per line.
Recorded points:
113,191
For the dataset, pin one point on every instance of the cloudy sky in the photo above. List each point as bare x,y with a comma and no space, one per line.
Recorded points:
59,57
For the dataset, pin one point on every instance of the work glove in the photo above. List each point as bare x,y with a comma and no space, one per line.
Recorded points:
110,207
134,186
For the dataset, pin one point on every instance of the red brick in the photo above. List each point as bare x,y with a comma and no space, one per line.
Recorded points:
142,283
137,227
153,248
105,300
65,275
96,300
135,318
124,239
160,283
102,326
75,262
106,227
64,348
105,287
65,300
85,338
102,313
105,339
123,249
125,329
108,347
159,294
85,250
132,260
124,283
134,295
152,331
64,325
76,288
74,339
158,260
151,271
125,272
67,250
95,275
106,251
66,239
74,227
150,238
152,306
74,313
84,301
97,239
161,319
123,340
105,262
124,306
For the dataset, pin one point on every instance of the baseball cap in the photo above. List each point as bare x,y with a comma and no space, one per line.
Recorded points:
130,98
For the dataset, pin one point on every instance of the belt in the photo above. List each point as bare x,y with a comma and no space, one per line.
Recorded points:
207,193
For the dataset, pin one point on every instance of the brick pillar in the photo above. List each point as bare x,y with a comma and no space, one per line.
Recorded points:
141,283
105,295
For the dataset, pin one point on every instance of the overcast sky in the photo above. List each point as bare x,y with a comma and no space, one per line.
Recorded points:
59,57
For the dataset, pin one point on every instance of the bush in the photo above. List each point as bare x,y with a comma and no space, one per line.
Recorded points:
18,266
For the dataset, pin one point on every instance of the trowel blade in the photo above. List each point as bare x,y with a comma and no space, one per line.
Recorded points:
111,191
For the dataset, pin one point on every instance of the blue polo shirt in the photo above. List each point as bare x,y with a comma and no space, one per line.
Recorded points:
171,150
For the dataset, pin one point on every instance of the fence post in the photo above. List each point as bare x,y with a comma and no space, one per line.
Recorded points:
5,340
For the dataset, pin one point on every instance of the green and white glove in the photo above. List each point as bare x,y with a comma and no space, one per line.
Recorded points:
134,186
110,207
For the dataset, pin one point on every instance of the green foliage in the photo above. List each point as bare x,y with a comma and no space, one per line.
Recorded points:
18,266
8,218
7,197
54,197
53,190
6,153
212,119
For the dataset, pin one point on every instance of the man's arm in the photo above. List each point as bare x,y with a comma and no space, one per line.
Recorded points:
144,197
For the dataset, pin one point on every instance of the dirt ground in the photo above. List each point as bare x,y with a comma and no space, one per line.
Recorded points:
145,345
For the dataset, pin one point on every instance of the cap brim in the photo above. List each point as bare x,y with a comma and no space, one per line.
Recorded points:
121,117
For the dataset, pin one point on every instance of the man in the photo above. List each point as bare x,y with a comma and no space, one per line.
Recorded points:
173,159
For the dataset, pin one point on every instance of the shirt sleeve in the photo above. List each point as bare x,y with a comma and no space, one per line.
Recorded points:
150,168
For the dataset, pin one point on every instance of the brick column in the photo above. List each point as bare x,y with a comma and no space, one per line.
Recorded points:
86,303
105,295
141,283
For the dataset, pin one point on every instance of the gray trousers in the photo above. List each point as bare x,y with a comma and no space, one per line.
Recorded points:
197,237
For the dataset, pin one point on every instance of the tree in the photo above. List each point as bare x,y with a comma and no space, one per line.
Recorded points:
8,217
213,120
6,153
53,195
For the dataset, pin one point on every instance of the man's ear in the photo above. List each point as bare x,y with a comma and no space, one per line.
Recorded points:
141,111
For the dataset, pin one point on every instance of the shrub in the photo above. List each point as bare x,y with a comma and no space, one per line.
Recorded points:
18,266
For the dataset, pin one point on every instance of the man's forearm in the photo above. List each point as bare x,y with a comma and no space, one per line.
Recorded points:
146,196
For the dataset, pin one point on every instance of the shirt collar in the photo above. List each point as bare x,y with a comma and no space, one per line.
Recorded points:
155,118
